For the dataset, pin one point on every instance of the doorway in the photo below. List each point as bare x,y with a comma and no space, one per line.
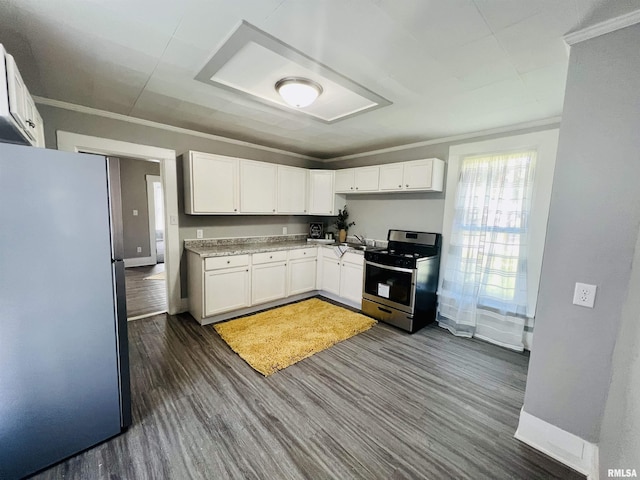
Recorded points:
74,142
144,237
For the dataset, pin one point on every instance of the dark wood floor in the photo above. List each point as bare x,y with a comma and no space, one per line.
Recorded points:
145,296
381,405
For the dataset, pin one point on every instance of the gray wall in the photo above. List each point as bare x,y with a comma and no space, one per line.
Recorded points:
214,226
620,432
133,182
592,231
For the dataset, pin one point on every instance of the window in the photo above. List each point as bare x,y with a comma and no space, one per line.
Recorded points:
498,301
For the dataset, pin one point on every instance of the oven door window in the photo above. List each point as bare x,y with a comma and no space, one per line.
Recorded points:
392,285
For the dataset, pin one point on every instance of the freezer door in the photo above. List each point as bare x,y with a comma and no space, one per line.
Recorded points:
59,363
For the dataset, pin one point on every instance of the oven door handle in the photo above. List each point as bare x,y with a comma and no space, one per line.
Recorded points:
389,267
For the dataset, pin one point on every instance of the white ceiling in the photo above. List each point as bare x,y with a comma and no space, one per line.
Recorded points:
448,66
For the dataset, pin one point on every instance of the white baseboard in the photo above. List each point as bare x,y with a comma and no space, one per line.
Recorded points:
139,262
559,444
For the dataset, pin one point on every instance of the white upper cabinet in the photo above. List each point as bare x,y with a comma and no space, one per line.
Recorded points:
219,185
322,192
20,121
292,190
345,180
418,175
357,180
366,179
211,184
257,187
391,177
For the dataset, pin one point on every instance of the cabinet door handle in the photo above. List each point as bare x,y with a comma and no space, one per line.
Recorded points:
270,256
399,186
407,185
304,253
356,188
228,261
31,124
235,209
351,188
274,210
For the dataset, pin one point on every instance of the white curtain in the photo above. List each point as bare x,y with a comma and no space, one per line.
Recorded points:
484,287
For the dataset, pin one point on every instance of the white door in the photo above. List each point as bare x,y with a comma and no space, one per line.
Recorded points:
292,190
268,282
345,180
391,177
417,175
366,179
351,282
331,275
214,183
302,276
155,205
226,290
257,187
321,192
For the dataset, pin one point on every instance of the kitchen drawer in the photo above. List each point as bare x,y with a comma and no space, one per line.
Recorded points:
214,263
267,257
303,253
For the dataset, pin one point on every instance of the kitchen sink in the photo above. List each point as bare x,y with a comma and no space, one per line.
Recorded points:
358,246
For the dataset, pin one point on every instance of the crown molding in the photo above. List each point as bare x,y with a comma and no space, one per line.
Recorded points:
148,123
601,28
455,138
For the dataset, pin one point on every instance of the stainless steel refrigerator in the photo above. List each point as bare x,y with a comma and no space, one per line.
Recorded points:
64,365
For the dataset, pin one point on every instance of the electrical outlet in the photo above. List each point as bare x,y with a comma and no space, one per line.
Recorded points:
584,295
135,213
199,233
284,230
139,249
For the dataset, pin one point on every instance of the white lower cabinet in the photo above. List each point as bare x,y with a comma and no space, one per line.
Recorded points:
225,290
330,278
342,276
218,286
351,279
302,270
269,282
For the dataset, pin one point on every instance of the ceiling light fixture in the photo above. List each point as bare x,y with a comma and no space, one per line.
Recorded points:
298,92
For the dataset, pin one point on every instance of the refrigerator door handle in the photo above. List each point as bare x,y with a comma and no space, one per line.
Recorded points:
115,207
123,343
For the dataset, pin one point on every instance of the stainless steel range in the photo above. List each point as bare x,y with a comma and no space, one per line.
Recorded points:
400,282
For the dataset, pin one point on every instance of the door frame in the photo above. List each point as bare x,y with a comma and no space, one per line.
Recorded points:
151,207
74,142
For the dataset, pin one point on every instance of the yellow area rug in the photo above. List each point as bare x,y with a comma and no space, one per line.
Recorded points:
157,276
272,340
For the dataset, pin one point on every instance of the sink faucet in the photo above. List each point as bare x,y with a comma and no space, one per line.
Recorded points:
360,239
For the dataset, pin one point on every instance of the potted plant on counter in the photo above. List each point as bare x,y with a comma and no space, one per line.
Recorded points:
342,224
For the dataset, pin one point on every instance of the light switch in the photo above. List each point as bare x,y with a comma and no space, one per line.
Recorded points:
135,213
173,219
